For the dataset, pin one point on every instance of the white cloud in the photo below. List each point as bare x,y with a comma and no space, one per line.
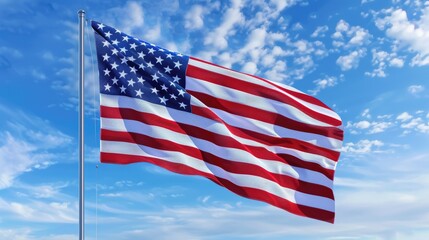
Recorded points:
297,26
378,127
254,46
320,31
412,33
342,26
249,67
363,146
153,34
232,17
48,56
10,52
37,74
405,116
323,83
423,127
396,62
28,144
363,124
415,89
351,60
370,127
23,159
194,17
350,37
277,72
366,113
37,211
381,60
412,124
129,18
359,36
16,234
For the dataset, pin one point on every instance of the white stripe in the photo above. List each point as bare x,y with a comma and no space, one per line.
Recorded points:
241,180
230,154
240,97
208,124
274,130
250,79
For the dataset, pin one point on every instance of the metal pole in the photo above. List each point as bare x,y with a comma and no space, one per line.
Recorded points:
81,14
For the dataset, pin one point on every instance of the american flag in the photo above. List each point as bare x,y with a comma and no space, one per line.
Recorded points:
259,139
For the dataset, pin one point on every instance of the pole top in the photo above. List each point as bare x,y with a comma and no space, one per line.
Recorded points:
81,12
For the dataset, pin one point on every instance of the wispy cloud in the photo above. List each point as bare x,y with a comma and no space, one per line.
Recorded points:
27,144
412,33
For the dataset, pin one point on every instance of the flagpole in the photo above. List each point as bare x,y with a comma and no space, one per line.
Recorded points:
81,14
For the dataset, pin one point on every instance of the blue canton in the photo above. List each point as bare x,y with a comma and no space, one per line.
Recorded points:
135,68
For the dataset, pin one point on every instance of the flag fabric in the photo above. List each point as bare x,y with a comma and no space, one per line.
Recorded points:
260,139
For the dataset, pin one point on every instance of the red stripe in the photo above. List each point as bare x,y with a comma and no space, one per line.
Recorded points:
271,140
191,130
300,95
258,90
227,165
265,116
251,193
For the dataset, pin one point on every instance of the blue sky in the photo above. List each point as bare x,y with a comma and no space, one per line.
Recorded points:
367,59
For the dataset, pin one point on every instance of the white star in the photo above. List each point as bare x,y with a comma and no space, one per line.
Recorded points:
138,93
131,58
124,60
141,55
173,96
168,69
154,90
155,77
163,100
105,43
150,64
179,55
123,89
106,72
108,34
101,26
117,31
122,74
131,82
181,92
106,57
165,88
115,42
133,69
125,38
115,80
177,64
107,87
176,79
169,56
151,50
159,60
141,66
114,66
140,80
172,84
182,105
143,43
123,50
114,51
161,50
133,46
